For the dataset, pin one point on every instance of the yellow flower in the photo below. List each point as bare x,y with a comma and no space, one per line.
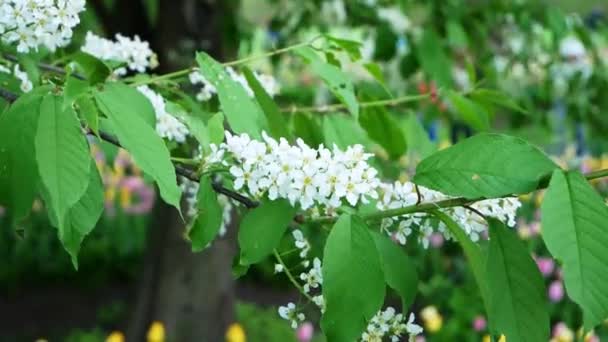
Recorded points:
235,333
444,144
431,318
502,338
156,333
125,197
487,338
116,336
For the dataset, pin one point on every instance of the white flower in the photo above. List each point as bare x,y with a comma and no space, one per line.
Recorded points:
278,268
34,23
289,313
26,84
207,90
167,126
572,48
320,302
390,324
398,21
134,52
301,243
314,277
412,328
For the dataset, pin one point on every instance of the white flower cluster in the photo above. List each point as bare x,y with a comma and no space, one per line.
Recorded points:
26,85
399,195
575,60
300,173
387,323
312,278
34,23
167,125
290,313
207,90
135,53
392,325
190,193
326,179
395,17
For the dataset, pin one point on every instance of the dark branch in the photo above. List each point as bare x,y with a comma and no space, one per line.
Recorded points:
48,67
191,175
475,211
10,97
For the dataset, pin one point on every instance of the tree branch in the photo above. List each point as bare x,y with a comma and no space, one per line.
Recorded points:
366,104
448,203
47,67
191,175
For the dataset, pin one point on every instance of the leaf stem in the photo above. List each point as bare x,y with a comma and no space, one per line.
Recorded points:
271,53
185,161
367,104
292,279
185,72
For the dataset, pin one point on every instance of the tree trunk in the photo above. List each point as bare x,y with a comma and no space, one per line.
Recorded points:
191,294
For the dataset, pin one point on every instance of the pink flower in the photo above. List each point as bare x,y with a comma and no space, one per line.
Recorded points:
545,265
561,330
479,323
305,332
420,338
436,240
556,291
145,193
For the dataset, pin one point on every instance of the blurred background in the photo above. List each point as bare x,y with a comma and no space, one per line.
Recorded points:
138,279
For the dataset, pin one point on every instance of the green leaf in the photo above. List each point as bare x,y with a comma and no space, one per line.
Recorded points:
399,271
433,59
95,71
472,252
89,113
376,71
18,169
457,37
82,217
262,228
418,141
351,47
140,139
208,220
383,129
518,301
74,88
208,133
485,165
470,112
62,154
574,220
216,128
498,98
276,120
243,113
336,80
307,127
152,7
131,101
353,285
343,131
